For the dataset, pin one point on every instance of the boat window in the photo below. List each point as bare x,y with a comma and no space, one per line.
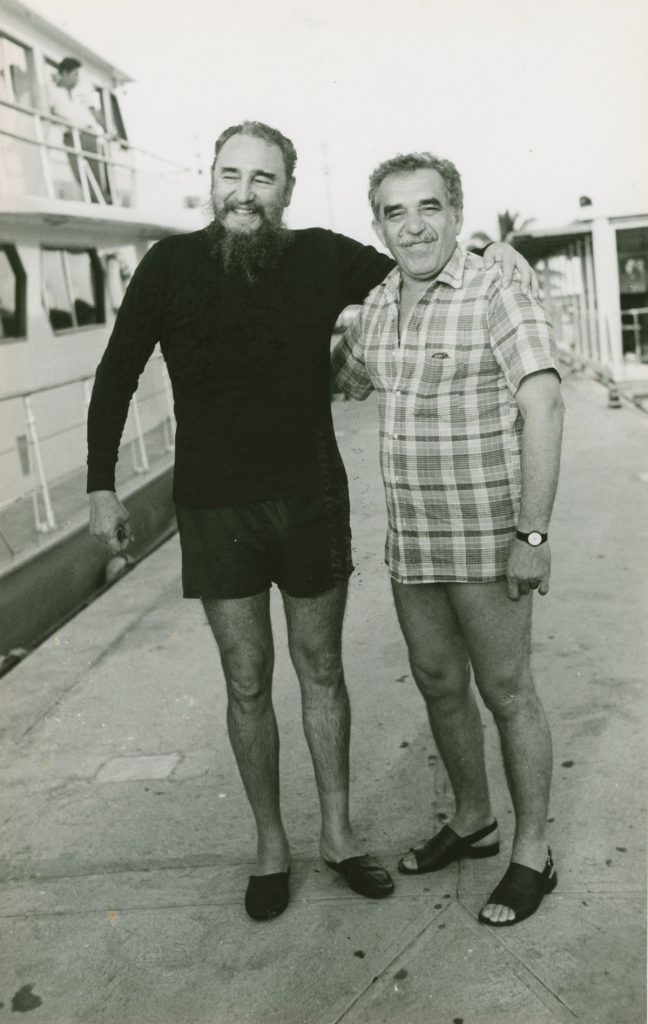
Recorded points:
118,270
118,121
99,106
17,79
51,66
72,288
13,294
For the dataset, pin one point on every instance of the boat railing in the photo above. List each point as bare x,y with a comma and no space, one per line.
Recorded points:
44,155
55,418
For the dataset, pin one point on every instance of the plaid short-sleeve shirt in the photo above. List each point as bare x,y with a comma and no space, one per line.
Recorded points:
450,427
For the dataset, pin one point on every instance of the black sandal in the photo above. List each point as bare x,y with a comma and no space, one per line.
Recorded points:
267,895
521,890
445,847
365,875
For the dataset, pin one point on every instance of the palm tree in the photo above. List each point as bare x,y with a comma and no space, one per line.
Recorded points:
509,224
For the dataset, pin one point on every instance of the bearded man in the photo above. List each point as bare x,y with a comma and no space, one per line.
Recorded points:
244,312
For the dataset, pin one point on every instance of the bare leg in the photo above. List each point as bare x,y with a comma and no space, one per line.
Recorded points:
441,670
244,637
498,635
315,642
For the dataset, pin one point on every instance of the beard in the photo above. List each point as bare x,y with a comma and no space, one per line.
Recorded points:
247,253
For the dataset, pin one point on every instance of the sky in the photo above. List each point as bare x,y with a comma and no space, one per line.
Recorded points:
536,102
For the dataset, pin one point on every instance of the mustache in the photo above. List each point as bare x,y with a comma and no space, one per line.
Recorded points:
417,241
219,212
251,204
253,207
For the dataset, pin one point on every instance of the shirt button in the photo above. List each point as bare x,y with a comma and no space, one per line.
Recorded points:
396,391
395,437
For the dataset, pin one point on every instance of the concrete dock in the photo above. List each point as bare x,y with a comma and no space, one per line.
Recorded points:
127,840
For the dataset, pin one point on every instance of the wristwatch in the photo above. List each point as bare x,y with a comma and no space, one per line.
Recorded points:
535,538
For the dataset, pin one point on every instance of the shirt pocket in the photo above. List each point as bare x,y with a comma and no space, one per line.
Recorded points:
433,380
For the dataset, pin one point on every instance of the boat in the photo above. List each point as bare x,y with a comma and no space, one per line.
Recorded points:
77,213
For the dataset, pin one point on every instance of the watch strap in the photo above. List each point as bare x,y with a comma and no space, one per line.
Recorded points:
532,533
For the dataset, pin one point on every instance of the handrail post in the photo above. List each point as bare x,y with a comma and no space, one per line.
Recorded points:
109,170
78,156
44,155
87,395
143,464
4,187
91,180
50,522
136,177
170,419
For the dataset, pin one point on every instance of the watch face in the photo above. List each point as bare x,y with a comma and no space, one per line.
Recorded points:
535,539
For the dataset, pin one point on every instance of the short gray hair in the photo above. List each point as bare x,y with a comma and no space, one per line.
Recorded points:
403,163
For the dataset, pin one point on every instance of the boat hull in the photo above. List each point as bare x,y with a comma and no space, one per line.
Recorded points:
54,582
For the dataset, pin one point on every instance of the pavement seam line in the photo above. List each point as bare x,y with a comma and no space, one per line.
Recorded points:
397,956
34,880
525,974
206,861
112,645
234,901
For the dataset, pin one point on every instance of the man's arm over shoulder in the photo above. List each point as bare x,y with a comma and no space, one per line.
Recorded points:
348,370
513,265
131,343
361,268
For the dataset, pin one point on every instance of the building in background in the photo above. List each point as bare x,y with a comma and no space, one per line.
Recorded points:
594,275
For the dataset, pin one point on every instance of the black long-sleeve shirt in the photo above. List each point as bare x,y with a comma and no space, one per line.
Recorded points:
249,366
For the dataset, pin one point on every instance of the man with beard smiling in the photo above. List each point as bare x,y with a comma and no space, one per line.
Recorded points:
247,232
244,311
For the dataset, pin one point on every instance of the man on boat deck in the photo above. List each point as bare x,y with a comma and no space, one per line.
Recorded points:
244,311
470,427
72,104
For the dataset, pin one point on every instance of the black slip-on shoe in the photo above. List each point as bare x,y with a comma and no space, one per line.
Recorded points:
267,895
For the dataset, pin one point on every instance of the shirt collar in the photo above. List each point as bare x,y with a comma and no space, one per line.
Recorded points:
451,274
453,271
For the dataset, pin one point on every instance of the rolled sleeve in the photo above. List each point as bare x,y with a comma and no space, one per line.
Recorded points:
521,335
348,370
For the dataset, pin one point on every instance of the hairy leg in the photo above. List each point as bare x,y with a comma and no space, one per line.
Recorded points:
244,636
498,635
441,670
315,642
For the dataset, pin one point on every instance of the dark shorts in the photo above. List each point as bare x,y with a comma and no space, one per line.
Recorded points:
301,544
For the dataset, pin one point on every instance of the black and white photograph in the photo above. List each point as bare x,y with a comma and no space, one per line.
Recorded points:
323,511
